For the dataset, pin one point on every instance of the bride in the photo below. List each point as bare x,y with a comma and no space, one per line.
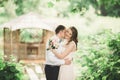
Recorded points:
66,71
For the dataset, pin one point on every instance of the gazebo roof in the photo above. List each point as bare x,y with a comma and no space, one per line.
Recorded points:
30,20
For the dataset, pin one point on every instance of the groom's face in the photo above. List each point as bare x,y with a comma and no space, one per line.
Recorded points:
63,33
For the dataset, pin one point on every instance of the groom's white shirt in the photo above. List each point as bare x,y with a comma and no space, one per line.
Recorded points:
51,59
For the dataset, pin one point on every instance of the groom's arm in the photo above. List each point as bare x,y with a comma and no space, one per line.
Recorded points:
56,61
52,58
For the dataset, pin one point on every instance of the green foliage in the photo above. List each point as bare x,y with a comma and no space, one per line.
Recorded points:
1,61
50,4
78,5
115,44
103,7
97,60
2,2
109,7
10,70
19,4
62,8
30,35
112,71
24,6
1,32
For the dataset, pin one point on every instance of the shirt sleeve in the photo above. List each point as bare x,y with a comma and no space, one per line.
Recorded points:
51,58
54,60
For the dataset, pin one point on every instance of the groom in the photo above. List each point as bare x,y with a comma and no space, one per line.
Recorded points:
52,64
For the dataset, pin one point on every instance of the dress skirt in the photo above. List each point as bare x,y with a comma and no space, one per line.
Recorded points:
66,72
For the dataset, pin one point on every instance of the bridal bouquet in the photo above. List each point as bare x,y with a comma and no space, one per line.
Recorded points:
53,44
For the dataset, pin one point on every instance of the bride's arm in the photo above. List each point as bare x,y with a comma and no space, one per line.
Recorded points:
62,55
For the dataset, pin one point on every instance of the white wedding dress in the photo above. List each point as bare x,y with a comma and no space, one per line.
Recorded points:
67,71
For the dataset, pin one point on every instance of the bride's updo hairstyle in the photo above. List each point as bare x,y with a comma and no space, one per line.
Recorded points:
74,36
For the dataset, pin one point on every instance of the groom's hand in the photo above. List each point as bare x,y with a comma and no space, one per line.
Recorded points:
67,61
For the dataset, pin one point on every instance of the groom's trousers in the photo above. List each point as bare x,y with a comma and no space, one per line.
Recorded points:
51,72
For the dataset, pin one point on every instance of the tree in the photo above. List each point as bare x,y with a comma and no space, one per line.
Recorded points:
9,7
2,2
19,4
105,7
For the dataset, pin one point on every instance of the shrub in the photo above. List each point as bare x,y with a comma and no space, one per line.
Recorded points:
100,59
10,70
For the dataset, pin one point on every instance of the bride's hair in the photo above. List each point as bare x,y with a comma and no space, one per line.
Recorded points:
74,36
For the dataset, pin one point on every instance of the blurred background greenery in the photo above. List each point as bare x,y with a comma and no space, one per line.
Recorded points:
98,24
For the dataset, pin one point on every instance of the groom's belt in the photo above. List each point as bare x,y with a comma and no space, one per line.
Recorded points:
52,65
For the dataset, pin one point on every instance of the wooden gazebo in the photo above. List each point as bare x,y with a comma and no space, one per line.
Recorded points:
22,50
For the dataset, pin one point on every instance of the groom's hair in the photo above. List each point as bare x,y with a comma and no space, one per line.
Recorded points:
59,28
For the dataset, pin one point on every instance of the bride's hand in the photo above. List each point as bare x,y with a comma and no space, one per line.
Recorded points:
67,61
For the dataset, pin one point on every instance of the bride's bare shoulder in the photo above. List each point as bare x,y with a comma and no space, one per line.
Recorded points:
72,43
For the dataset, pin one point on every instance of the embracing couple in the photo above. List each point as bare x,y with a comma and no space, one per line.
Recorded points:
60,49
